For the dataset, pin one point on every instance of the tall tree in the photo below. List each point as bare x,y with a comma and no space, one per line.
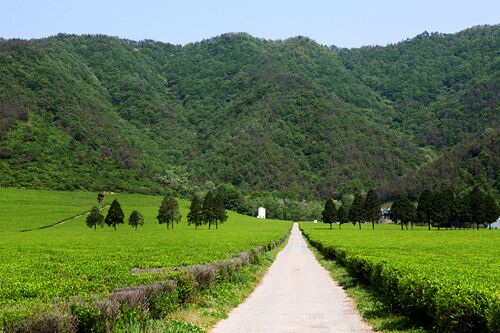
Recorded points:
356,212
136,219
343,215
220,215
372,207
476,202
169,212
424,208
209,210
491,210
115,215
329,214
402,210
195,215
94,218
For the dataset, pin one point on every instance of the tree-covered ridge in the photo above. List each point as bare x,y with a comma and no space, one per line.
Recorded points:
444,86
290,117
473,162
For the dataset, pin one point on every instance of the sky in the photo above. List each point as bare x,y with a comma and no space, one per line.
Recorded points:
348,23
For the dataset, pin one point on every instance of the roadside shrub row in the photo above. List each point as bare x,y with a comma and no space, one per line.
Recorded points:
137,304
436,303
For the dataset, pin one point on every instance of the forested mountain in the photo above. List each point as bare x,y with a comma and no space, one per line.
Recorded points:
290,117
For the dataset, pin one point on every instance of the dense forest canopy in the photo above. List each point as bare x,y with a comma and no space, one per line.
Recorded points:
289,119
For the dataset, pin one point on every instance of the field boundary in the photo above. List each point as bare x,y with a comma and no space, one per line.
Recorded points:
66,219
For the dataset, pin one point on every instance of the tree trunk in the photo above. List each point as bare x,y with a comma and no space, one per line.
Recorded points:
402,227
359,224
173,225
114,226
373,225
136,227
209,225
216,225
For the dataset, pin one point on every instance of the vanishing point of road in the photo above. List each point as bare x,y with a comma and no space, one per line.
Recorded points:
296,295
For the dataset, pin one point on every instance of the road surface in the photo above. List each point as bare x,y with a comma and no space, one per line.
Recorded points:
296,295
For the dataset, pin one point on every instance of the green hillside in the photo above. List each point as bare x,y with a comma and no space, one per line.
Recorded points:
290,117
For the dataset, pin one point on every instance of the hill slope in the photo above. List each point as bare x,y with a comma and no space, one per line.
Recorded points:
285,116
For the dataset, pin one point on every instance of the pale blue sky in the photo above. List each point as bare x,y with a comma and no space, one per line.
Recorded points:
343,23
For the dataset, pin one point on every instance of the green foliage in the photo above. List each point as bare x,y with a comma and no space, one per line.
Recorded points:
356,211
291,118
169,212
94,218
136,219
402,210
444,280
329,214
115,215
372,207
195,215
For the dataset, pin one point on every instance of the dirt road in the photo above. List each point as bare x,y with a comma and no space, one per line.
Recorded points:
296,295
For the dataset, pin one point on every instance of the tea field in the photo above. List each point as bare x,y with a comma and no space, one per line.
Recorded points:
52,264
448,279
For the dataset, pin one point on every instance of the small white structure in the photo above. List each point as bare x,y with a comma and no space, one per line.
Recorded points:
315,221
496,224
261,213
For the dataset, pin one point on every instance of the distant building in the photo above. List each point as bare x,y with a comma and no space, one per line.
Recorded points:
261,213
496,224
385,214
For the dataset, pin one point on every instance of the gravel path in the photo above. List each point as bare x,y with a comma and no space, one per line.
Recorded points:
296,295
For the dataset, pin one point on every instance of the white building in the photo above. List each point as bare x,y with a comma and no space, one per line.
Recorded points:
496,224
261,213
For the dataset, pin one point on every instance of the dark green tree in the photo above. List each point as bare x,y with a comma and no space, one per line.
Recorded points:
402,210
94,218
169,212
232,197
209,210
136,219
343,215
491,210
477,207
372,207
424,208
329,214
115,215
220,215
356,212
195,215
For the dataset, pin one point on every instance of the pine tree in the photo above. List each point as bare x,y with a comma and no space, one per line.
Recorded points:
195,215
115,215
476,202
169,212
220,215
356,211
343,215
136,219
372,207
209,210
402,210
94,218
329,214
424,208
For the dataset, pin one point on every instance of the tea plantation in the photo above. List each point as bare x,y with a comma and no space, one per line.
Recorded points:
448,279
52,264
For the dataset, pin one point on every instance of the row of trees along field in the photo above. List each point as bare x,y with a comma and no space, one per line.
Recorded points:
445,208
208,210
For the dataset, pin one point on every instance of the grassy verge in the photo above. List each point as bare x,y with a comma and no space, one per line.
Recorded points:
206,307
369,305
